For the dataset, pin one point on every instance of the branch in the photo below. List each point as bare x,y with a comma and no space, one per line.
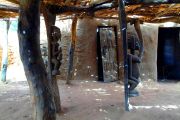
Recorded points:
55,9
9,8
170,19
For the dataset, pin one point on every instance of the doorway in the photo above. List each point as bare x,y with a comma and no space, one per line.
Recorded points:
168,60
107,53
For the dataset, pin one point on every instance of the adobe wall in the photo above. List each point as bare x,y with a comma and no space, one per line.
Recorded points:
85,64
148,66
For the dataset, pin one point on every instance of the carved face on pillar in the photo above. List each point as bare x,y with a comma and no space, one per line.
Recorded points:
56,52
56,33
133,42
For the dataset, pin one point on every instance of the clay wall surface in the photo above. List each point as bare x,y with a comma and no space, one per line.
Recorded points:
85,59
85,63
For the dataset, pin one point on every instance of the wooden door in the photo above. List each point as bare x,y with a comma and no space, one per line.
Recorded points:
107,54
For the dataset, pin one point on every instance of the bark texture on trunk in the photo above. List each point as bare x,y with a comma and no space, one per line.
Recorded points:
71,50
29,43
49,21
56,95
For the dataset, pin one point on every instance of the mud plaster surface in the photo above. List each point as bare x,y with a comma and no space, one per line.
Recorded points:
85,58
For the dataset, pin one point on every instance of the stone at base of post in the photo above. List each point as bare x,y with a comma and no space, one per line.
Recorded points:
133,93
68,80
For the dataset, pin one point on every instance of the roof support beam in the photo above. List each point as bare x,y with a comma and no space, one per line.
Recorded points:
62,9
172,19
9,8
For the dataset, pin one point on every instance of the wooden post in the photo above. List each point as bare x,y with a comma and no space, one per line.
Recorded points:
71,50
123,29
29,43
50,20
138,30
5,51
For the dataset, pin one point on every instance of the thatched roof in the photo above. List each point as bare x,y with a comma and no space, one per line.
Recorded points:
106,9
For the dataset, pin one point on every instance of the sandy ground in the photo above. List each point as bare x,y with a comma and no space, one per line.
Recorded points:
92,100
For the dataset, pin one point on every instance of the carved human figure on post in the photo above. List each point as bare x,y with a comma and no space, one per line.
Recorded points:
134,59
133,74
56,51
44,53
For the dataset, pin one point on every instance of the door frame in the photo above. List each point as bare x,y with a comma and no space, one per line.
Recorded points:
163,76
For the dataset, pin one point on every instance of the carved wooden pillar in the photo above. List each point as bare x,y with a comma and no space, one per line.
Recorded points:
29,43
123,30
49,21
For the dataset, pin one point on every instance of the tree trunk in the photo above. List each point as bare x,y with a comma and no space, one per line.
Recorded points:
49,21
56,95
71,51
29,43
5,51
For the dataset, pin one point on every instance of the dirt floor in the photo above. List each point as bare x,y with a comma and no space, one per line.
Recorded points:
92,100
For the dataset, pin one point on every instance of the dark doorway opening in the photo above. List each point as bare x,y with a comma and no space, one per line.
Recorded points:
107,53
168,60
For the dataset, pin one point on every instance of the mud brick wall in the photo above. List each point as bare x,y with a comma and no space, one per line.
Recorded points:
85,63
10,57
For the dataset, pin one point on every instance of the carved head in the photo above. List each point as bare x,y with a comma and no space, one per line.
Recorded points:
56,33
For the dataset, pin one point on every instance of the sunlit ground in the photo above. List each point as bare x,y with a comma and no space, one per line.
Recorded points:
93,100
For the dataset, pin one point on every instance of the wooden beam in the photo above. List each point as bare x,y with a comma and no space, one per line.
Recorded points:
169,19
29,43
72,49
63,9
9,8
